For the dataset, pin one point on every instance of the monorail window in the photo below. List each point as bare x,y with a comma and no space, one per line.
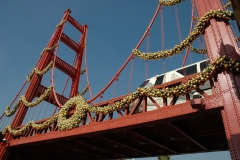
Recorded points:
188,70
203,65
159,80
144,83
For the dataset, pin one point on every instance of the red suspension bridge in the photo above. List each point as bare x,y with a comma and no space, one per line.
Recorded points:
167,115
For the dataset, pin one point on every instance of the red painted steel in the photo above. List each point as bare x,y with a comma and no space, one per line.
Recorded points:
69,42
123,122
75,24
33,86
220,41
65,67
80,52
51,99
191,25
36,89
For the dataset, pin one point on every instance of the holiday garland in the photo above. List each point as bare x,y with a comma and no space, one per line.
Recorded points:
196,50
197,31
22,99
237,38
227,5
82,106
195,18
83,71
35,70
48,49
169,2
84,91
61,23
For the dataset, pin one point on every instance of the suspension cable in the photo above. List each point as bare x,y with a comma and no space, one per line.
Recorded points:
129,58
147,50
187,50
66,83
131,73
162,35
86,65
53,66
178,25
17,94
115,87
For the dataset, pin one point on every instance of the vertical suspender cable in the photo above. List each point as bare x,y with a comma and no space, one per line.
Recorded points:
129,58
147,50
74,62
178,26
86,65
115,87
187,50
53,66
131,74
162,35
179,32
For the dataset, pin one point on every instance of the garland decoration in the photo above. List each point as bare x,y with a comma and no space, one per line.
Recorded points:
22,99
237,38
84,91
195,18
48,49
83,71
169,2
197,31
196,50
82,106
61,23
35,70
227,5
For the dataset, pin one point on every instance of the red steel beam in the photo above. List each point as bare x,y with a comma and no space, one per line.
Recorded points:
50,99
160,86
126,121
202,92
75,23
144,102
69,42
154,102
174,100
187,136
136,105
79,54
34,84
152,141
65,67
220,41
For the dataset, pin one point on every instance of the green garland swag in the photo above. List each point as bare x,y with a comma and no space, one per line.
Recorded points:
82,107
169,2
197,31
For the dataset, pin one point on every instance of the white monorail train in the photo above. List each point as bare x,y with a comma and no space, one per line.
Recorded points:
172,75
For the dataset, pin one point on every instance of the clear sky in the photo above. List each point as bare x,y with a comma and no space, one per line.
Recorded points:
115,27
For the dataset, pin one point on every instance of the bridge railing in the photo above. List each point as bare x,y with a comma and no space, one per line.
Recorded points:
142,105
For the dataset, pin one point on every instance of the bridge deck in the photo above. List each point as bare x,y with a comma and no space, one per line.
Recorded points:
140,136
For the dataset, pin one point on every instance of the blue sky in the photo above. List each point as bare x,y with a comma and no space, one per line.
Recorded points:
115,27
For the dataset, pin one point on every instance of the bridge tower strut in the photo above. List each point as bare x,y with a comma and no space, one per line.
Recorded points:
47,56
220,41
